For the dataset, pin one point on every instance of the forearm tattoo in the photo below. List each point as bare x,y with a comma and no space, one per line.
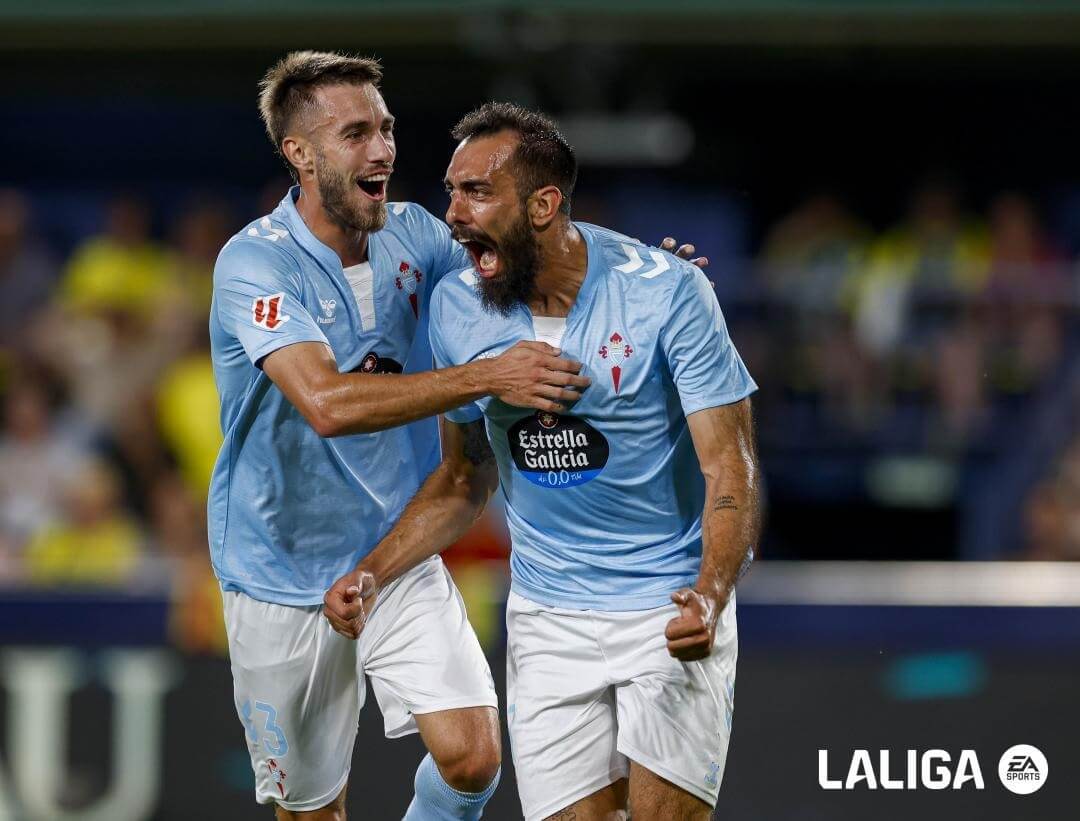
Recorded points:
477,448
724,503
569,814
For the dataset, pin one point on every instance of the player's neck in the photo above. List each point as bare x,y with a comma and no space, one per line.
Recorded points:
350,246
564,260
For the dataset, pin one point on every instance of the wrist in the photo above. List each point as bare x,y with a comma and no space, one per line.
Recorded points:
478,377
714,592
373,569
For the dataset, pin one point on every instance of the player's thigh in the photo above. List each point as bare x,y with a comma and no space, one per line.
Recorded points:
298,695
334,811
675,717
606,804
421,653
653,798
560,709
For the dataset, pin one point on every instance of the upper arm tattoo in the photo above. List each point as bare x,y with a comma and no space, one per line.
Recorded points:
476,446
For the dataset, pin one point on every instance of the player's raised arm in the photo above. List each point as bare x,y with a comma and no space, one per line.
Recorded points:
724,441
445,507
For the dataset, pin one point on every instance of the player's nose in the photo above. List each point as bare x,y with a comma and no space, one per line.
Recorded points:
381,149
456,212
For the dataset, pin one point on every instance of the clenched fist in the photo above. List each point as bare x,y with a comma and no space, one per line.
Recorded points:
348,602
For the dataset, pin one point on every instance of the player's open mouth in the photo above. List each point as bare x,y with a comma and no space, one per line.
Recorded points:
373,187
485,258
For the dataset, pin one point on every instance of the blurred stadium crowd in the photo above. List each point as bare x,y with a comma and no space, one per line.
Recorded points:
927,363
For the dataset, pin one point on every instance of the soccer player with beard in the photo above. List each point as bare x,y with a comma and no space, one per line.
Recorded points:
631,516
318,309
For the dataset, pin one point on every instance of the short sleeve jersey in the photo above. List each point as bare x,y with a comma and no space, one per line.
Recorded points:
604,502
290,511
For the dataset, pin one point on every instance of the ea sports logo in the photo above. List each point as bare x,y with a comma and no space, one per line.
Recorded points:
1022,769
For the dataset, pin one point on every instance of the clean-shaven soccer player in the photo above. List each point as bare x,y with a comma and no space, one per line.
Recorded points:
316,307
631,515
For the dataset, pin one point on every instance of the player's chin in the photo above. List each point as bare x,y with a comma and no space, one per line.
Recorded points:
373,216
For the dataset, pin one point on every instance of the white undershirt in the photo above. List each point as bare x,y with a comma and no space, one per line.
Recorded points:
362,281
549,329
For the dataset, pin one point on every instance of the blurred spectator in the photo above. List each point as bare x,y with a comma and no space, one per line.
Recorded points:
27,270
94,542
937,253
188,419
1052,512
1026,297
1023,262
811,254
36,457
122,271
201,230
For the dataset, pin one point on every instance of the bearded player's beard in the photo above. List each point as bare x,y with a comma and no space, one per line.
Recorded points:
520,257
338,197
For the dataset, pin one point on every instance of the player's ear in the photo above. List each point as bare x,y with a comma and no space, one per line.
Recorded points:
543,205
300,154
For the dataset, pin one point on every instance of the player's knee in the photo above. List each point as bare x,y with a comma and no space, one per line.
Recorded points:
471,768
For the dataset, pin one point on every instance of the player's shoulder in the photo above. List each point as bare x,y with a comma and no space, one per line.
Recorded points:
264,245
636,265
410,220
460,288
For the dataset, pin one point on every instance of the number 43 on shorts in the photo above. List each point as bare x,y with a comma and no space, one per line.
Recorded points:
273,737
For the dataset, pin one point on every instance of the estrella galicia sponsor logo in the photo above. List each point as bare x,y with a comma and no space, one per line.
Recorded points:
553,450
929,769
1022,769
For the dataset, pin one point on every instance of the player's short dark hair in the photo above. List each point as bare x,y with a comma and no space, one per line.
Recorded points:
289,86
542,157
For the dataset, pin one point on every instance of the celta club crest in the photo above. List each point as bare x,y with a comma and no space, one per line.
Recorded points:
277,775
407,280
713,777
616,352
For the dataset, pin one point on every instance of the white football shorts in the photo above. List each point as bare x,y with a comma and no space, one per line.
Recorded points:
299,686
588,691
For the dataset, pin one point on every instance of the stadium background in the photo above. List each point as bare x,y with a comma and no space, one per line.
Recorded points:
890,197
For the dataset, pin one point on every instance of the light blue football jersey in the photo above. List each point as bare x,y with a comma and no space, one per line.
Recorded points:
604,502
290,511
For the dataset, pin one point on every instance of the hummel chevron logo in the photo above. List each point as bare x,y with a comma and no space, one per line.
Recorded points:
634,262
274,235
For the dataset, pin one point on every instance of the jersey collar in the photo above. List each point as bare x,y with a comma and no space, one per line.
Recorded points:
322,252
588,285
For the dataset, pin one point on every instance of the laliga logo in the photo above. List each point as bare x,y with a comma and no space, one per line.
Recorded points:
1022,770
930,770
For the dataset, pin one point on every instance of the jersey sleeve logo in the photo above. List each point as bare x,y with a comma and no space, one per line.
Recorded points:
616,352
269,311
